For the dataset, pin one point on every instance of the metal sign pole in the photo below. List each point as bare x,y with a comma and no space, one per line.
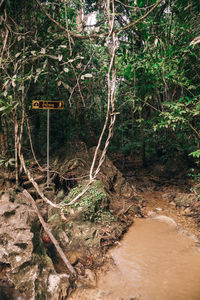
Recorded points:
47,148
44,104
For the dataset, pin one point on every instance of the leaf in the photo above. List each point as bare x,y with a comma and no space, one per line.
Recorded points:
66,86
18,54
195,41
52,217
3,108
195,154
60,57
45,64
66,70
11,161
191,87
43,51
86,76
156,42
7,81
13,84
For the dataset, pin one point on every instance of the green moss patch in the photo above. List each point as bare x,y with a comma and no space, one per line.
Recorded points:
93,206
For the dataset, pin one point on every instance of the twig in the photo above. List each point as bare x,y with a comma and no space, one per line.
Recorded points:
197,133
131,7
138,20
78,79
48,231
97,35
31,179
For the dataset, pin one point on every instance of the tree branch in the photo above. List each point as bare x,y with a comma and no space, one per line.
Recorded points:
140,19
75,35
48,231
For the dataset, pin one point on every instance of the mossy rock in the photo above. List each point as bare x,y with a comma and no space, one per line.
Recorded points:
93,206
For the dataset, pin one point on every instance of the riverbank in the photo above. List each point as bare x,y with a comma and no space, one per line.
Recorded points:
84,230
158,258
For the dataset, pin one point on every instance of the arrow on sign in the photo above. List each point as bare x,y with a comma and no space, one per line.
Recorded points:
43,104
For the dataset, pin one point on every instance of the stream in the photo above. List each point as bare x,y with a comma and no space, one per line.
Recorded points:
155,260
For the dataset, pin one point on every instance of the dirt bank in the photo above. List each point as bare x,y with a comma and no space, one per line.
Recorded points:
84,230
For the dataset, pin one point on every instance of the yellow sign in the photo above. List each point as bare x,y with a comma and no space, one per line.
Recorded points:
43,104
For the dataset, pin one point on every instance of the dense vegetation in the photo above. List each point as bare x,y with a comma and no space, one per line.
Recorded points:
58,50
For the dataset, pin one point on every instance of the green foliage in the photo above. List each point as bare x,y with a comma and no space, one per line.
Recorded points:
7,162
157,61
7,105
195,154
196,176
93,205
159,94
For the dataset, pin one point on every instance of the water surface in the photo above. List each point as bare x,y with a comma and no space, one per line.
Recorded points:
154,261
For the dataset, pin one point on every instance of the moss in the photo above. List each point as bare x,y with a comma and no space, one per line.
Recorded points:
94,204
41,296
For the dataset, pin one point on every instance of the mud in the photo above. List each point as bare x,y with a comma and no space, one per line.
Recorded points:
157,259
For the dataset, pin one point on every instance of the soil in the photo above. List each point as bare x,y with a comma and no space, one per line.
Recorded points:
158,198
123,191
157,195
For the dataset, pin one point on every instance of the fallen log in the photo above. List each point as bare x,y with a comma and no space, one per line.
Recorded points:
49,233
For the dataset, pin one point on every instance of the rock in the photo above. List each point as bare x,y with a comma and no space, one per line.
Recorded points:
5,197
168,196
73,256
63,238
89,280
60,195
19,269
151,213
39,179
187,210
16,247
158,208
165,219
112,178
58,285
184,200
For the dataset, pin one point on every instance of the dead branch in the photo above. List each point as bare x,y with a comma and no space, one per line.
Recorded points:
31,179
48,231
138,20
134,8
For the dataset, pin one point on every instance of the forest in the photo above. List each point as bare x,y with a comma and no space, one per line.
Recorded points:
121,81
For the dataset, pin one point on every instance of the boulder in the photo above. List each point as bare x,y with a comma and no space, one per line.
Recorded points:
184,200
25,275
58,285
16,247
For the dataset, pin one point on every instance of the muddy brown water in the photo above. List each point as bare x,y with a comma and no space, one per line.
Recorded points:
154,261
